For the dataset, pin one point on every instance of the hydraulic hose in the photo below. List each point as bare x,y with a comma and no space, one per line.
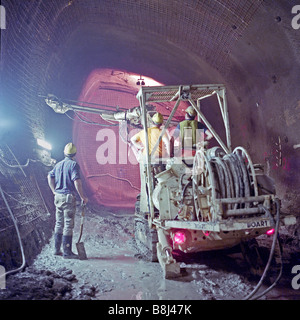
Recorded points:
278,277
275,239
19,237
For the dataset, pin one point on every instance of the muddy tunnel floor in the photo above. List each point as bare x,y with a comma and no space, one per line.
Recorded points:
115,270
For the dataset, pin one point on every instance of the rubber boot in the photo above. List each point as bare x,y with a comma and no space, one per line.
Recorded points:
67,248
57,244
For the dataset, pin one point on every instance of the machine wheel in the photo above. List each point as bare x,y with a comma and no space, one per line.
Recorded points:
253,254
146,239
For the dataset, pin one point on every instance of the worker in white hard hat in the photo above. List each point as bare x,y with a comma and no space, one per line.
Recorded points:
191,128
64,180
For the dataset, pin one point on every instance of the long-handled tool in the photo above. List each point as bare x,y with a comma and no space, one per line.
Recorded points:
80,245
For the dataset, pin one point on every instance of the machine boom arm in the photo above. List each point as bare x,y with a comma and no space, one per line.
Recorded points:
133,115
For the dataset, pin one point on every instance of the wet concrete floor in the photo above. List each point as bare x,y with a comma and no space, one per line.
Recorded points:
116,270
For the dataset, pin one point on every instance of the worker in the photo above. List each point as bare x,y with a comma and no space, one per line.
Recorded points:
138,140
163,150
188,129
63,180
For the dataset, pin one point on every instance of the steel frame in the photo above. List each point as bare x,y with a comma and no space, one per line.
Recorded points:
193,94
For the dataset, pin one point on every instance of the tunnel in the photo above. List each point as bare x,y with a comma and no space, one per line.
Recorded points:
94,52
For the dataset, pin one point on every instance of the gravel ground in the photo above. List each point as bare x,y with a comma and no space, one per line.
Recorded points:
115,271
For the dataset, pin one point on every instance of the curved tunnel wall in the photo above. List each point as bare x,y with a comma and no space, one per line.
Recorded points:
250,46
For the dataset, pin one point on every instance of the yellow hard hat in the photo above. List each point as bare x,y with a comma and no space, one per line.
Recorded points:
191,111
70,149
158,118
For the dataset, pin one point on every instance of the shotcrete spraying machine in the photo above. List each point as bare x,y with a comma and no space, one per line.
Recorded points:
209,199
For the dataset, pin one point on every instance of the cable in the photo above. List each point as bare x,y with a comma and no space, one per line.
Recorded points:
270,258
114,177
23,203
47,210
16,160
80,102
19,237
121,215
278,277
20,165
81,118
68,116
96,104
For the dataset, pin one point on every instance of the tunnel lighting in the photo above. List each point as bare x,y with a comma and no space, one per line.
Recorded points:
44,144
270,232
140,82
179,237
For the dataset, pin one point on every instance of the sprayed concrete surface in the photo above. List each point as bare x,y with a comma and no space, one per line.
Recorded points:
115,268
115,271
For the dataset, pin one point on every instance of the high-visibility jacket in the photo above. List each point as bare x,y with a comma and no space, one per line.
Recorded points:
188,129
153,135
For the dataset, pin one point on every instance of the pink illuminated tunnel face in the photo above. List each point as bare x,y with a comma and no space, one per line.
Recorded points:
110,171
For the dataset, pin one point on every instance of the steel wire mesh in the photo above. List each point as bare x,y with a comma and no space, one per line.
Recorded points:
22,189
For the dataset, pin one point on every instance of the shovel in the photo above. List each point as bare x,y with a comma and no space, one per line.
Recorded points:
80,245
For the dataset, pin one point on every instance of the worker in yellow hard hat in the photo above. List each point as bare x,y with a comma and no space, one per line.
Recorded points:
190,130
64,180
163,150
138,140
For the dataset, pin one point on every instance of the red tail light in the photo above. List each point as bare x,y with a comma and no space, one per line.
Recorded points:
179,237
270,232
206,233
